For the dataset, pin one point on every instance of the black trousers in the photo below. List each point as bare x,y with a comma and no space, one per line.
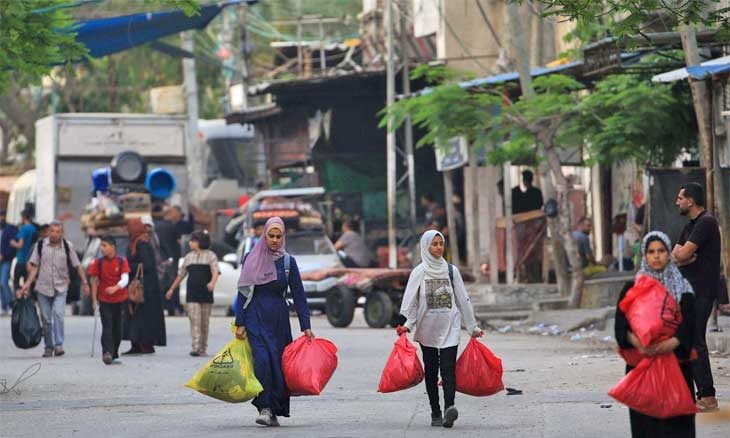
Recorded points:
701,367
444,360
111,327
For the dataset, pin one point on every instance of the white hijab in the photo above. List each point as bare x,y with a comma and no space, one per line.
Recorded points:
434,267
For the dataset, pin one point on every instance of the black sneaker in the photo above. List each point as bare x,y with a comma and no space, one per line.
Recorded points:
436,419
107,358
194,353
450,415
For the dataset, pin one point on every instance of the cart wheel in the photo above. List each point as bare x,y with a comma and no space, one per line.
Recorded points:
378,309
340,306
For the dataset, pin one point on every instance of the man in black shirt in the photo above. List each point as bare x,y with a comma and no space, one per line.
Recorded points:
530,199
169,232
697,252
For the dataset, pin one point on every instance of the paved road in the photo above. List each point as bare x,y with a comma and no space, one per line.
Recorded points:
564,386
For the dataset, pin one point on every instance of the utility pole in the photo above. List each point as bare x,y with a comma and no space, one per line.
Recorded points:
390,98
700,100
408,125
300,67
322,59
243,22
195,153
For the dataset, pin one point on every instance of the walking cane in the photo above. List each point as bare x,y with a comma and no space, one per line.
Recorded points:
93,336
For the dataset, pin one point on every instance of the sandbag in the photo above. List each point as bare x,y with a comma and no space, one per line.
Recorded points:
653,314
308,364
478,371
25,325
229,376
656,387
403,369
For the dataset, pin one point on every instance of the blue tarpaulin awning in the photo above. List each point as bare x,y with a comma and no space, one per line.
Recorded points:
701,71
705,71
104,36
510,76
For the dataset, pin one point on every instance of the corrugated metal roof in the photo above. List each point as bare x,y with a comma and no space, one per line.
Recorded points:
700,70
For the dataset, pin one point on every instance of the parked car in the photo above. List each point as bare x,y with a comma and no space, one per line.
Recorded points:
313,250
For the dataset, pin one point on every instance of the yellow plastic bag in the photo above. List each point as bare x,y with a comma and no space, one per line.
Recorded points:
229,376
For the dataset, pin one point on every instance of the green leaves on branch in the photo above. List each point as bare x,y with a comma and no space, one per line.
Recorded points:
629,118
623,117
34,35
631,17
31,42
447,111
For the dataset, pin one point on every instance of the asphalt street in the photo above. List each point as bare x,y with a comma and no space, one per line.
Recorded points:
564,388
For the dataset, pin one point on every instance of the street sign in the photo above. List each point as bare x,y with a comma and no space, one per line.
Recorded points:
453,156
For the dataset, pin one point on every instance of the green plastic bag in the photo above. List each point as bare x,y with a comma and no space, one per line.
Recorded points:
229,376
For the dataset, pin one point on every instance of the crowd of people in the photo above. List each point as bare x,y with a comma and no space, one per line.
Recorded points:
130,291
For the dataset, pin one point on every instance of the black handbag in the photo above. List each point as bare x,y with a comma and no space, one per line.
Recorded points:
25,325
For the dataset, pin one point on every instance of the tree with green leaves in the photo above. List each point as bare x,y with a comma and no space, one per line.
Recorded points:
621,118
622,18
37,34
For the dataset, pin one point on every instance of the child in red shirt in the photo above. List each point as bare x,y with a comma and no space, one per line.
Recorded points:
109,279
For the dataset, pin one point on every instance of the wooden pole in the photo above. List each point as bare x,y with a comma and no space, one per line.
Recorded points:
472,214
451,216
700,101
508,224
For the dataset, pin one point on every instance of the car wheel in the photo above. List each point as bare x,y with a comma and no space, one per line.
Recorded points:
340,306
378,309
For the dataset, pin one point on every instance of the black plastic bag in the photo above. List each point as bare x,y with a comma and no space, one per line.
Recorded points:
25,324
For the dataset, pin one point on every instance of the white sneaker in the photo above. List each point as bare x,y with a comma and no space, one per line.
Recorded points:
264,417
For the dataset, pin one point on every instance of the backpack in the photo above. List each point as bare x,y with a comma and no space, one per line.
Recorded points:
73,275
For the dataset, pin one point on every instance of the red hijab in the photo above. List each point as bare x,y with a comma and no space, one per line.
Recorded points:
137,233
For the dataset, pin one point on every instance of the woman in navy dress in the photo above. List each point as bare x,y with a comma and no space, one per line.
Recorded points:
262,316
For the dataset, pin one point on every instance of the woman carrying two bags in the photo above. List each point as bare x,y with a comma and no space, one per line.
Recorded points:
262,316
672,338
434,306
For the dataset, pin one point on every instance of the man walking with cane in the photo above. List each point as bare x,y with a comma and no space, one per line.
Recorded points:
109,279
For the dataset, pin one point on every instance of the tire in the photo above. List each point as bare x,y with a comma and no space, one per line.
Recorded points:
378,309
340,306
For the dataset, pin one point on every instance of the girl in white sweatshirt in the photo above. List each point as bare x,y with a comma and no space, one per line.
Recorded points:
434,304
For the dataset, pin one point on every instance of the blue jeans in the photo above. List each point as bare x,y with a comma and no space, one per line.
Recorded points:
6,294
52,312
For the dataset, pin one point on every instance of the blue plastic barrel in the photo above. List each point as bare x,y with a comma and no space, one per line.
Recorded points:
101,179
160,182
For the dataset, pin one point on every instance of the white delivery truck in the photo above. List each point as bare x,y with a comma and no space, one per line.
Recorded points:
69,147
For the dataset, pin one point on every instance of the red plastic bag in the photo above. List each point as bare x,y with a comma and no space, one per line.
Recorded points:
478,371
653,314
631,356
656,387
403,369
308,365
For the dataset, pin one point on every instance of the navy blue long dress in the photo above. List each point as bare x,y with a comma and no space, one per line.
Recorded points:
268,330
